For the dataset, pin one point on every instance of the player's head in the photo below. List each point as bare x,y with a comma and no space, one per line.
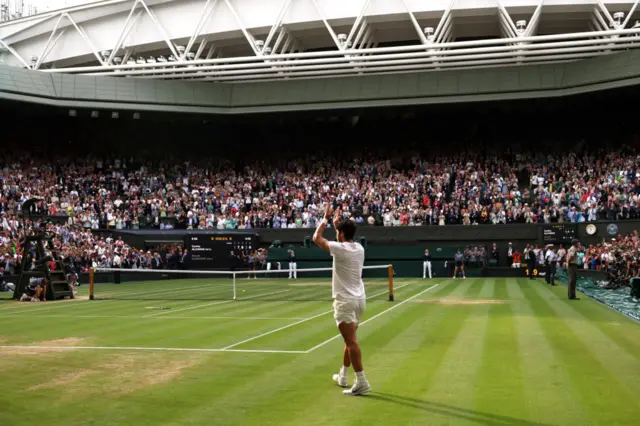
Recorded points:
346,230
426,251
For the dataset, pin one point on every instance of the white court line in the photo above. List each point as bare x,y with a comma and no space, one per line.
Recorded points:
276,330
134,348
139,317
295,323
58,304
374,317
169,311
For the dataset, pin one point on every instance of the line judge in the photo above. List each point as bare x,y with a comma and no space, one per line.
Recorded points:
572,268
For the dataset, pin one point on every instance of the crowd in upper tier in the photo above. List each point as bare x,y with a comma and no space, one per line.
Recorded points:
467,189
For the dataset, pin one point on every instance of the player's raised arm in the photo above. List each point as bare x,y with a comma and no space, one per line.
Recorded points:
320,241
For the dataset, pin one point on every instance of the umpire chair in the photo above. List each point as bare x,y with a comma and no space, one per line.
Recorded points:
56,284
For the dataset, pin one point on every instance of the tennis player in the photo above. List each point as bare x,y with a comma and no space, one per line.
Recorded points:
348,294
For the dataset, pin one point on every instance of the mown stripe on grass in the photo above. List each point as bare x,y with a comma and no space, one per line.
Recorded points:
405,396
284,391
626,367
550,396
603,396
454,383
385,351
500,383
619,328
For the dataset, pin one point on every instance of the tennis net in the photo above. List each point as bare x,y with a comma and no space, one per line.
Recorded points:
313,284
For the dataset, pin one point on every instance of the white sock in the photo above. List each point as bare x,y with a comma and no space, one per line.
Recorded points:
360,377
344,371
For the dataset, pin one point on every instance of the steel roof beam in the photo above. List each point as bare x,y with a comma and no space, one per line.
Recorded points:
129,24
11,50
586,48
47,47
415,23
84,37
207,10
249,37
545,40
445,20
631,12
277,25
160,28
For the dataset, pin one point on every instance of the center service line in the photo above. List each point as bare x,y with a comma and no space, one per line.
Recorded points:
298,322
374,317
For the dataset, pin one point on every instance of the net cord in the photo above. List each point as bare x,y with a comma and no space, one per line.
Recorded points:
225,273
233,273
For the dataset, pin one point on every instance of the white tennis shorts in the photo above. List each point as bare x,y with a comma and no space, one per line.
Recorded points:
348,311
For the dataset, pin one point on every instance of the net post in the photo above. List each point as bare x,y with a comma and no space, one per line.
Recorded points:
390,272
234,285
91,283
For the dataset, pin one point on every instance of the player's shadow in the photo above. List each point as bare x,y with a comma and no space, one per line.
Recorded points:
453,411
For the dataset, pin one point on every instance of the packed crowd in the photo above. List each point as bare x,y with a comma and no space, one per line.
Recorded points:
618,258
123,193
80,248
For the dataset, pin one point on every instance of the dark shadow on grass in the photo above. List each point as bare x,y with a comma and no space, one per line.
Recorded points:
453,411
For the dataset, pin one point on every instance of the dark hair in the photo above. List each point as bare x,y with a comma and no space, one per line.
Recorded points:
348,228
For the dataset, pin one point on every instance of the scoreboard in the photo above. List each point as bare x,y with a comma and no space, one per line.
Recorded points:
213,251
560,233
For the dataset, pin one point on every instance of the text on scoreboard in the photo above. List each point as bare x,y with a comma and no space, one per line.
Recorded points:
559,233
213,251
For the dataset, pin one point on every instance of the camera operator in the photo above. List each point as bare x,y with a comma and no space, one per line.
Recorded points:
35,291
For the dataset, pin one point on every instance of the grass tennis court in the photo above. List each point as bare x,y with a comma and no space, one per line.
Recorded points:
446,352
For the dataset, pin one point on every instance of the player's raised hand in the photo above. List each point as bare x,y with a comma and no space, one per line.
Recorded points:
328,211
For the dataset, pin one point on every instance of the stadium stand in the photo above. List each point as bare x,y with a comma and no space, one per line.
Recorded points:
121,175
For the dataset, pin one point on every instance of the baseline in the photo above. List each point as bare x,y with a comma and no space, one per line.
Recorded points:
137,348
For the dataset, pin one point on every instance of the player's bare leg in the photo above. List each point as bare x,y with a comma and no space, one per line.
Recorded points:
342,377
348,331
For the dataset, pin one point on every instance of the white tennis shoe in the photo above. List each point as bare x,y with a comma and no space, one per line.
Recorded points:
340,380
358,389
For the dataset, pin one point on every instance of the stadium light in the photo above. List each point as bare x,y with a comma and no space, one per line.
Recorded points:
136,116
151,60
115,114
521,26
191,56
162,59
267,50
131,61
259,45
105,55
34,60
73,113
172,58
140,60
618,17
180,49
95,114
117,60
429,32
342,39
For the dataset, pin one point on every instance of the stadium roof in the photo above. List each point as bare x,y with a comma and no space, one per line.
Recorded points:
263,40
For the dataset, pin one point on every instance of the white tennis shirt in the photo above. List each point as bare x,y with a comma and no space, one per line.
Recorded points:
348,260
